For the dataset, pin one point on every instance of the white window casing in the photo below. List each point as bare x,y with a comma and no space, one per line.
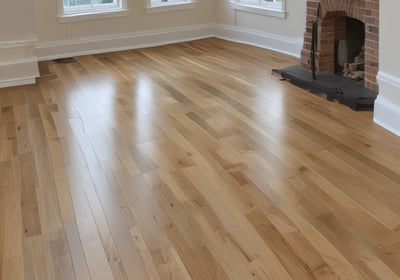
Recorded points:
159,6
77,10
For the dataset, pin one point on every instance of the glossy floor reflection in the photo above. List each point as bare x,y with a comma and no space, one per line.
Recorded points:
191,161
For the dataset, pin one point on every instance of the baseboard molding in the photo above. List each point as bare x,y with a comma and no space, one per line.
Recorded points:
18,64
120,42
387,105
136,40
281,44
18,82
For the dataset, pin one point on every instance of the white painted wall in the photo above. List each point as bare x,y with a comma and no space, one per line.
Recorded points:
50,30
282,34
210,17
387,106
18,64
389,43
16,19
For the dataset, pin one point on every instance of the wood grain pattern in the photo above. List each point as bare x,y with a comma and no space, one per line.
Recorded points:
191,161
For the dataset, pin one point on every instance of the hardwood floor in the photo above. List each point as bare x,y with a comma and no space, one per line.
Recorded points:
192,161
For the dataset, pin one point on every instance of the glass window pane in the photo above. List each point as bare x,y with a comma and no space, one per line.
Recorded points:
73,3
168,1
103,1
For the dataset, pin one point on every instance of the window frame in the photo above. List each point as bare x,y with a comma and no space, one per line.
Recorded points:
173,5
91,11
261,8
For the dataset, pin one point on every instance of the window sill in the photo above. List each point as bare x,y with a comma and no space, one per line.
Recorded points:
92,15
161,8
258,10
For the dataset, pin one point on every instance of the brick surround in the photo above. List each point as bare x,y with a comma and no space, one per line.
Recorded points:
332,28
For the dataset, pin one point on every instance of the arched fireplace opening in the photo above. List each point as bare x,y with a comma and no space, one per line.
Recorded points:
350,47
341,46
347,52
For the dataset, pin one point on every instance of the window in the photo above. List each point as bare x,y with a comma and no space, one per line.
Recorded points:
155,6
264,7
167,2
73,6
72,10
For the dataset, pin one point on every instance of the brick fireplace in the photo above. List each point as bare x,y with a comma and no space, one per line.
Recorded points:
334,15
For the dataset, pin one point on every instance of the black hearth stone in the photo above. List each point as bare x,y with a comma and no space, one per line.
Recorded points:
348,92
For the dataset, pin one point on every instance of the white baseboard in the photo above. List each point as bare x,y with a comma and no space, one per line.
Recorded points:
136,40
281,44
18,59
387,105
17,82
18,64
120,42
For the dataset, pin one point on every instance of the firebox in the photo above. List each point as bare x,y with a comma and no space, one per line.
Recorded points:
347,39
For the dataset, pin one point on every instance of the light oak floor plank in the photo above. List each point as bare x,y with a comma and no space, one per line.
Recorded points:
191,161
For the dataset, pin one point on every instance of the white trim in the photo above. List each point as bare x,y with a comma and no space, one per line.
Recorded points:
259,10
18,72
18,82
167,7
18,64
19,61
387,105
281,44
92,15
388,79
127,41
31,40
102,44
74,15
